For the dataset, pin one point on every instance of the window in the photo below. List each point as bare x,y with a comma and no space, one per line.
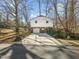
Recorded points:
35,21
46,21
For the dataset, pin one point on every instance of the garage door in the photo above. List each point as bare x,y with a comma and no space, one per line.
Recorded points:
36,30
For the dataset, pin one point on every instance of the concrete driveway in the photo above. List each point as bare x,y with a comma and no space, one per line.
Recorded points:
38,46
40,39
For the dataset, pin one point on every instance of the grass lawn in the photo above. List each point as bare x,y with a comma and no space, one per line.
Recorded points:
66,41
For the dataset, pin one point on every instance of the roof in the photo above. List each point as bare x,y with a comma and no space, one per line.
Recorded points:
41,16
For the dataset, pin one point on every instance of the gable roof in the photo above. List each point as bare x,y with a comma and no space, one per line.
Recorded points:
40,16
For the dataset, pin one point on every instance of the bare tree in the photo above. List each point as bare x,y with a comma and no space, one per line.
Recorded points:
0,22
57,14
66,17
71,18
39,6
16,16
25,14
13,10
47,7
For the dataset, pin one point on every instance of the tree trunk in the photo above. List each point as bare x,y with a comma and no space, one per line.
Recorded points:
16,18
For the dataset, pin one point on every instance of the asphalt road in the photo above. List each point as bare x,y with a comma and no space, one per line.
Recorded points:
34,47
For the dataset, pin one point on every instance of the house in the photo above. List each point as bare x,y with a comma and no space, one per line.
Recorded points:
40,23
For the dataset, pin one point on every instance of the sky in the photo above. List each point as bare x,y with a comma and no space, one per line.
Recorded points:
33,8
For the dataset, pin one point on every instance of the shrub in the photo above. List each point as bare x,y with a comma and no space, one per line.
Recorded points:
55,32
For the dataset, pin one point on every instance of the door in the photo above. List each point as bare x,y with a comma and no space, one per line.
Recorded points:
36,30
